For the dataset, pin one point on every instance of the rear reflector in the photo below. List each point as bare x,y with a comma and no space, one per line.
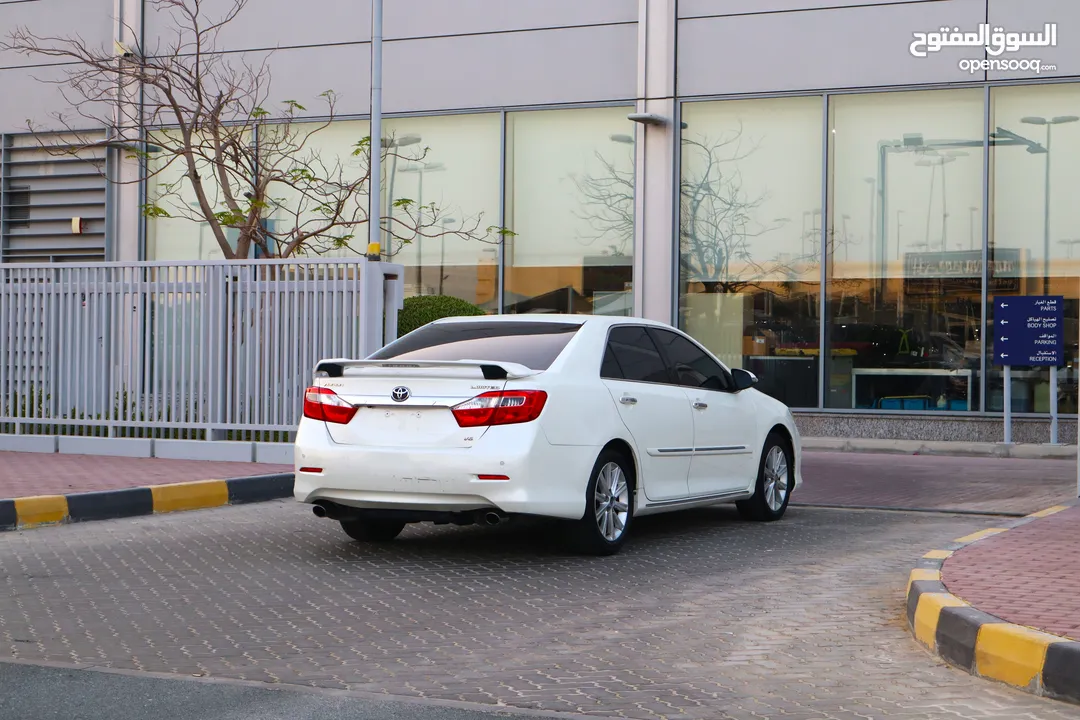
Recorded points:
500,408
493,477
311,469
324,404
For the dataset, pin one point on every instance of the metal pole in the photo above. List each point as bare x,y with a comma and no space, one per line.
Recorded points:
375,199
420,237
1053,405
1008,405
824,354
1046,217
442,259
984,252
390,207
1046,289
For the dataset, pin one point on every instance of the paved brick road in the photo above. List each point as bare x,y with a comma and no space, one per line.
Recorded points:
702,615
847,479
934,482
23,474
1029,575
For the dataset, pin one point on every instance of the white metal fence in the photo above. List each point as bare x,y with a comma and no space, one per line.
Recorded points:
202,350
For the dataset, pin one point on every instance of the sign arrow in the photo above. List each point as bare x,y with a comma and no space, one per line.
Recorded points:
1004,305
1003,355
1004,339
1004,322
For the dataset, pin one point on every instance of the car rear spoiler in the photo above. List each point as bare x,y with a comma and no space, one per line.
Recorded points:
492,369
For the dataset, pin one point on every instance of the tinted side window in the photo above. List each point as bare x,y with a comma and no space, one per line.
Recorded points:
637,355
532,344
610,367
691,365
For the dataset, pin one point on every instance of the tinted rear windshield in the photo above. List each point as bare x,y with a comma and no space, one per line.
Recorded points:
532,344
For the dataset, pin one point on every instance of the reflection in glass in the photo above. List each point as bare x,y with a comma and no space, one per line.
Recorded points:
570,203
445,171
749,271
905,298
1035,226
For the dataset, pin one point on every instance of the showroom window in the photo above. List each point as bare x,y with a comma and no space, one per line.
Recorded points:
570,203
441,194
327,151
178,235
750,238
1034,231
904,259
448,166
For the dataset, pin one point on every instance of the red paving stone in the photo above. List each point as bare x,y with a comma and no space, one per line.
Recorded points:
24,474
1029,575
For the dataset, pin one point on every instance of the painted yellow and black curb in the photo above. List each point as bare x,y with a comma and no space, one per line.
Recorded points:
29,512
985,645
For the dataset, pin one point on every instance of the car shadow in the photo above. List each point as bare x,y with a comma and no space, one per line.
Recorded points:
524,536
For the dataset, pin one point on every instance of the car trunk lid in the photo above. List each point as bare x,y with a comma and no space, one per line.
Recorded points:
409,404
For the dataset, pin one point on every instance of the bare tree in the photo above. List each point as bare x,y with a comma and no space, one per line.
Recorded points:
226,155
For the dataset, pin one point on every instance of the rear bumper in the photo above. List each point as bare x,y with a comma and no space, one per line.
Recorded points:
543,480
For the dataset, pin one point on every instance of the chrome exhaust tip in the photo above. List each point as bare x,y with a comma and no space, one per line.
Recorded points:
319,510
493,518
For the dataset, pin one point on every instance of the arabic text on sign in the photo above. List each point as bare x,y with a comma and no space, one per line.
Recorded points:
995,40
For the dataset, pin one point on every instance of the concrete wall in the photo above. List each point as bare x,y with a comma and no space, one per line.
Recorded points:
1030,15
438,55
22,94
748,46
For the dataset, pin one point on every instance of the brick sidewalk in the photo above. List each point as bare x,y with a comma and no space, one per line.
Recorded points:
23,474
1029,575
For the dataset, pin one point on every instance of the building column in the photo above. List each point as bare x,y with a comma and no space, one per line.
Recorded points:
655,182
125,192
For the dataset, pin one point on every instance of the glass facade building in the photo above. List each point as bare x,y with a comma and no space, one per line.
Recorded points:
843,246
913,209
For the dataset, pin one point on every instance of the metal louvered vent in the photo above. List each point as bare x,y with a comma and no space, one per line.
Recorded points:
18,206
45,182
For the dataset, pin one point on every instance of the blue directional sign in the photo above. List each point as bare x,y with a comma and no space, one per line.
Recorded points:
1029,330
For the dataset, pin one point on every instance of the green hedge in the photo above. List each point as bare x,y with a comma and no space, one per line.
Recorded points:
422,309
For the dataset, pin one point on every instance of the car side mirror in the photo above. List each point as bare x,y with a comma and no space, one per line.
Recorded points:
744,379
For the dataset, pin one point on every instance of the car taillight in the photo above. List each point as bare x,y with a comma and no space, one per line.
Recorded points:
500,408
324,404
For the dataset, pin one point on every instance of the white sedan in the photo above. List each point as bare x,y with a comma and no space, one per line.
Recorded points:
592,420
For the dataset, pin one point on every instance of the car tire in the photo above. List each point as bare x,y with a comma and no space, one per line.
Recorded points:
606,508
774,482
372,530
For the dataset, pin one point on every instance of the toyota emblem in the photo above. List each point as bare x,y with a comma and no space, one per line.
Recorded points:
400,394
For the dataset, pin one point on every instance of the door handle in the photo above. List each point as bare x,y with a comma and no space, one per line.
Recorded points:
627,400
698,405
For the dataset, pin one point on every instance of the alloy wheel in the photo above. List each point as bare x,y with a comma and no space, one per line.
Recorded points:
776,478
611,501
